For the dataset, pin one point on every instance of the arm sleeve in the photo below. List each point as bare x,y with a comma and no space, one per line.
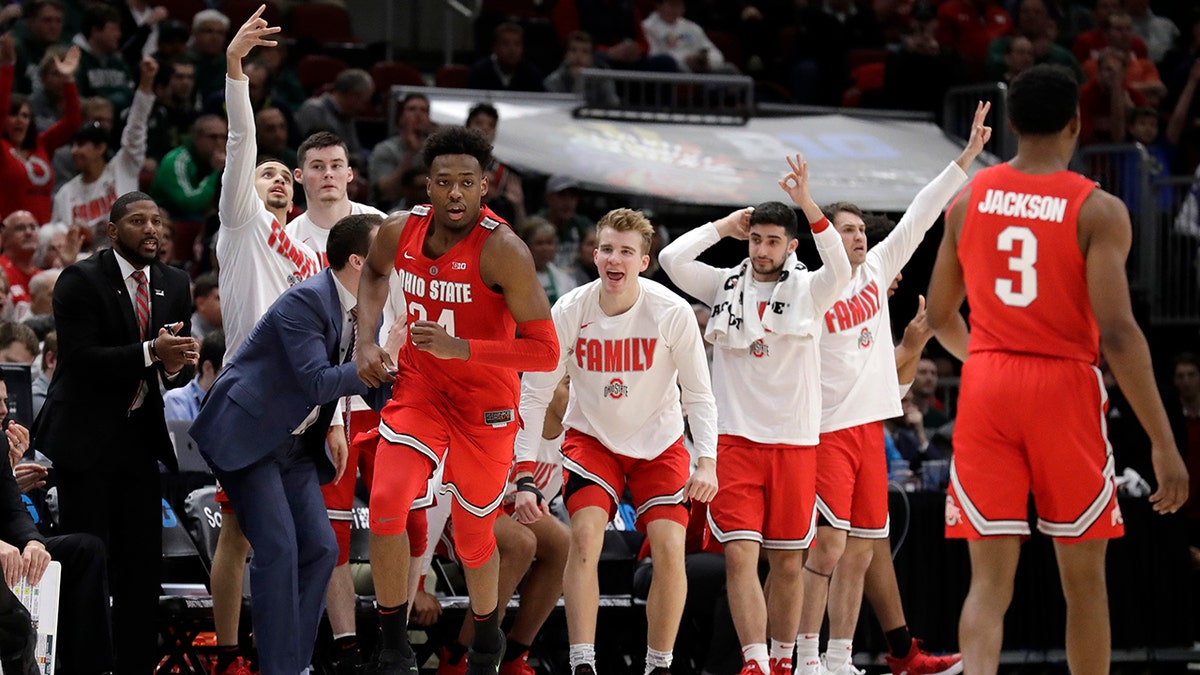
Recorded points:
829,281
536,391
61,131
133,138
895,250
695,383
239,202
535,350
695,278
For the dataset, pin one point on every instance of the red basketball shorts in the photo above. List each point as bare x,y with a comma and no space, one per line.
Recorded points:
597,476
765,494
415,436
1028,423
852,480
339,496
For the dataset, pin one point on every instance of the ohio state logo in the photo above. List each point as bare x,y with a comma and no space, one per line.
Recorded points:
864,338
953,513
759,349
616,389
1117,517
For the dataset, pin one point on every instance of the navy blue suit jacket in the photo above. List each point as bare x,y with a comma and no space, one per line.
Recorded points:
289,364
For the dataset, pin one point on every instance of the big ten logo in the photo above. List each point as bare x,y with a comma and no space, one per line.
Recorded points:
168,515
458,265
213,516
361,518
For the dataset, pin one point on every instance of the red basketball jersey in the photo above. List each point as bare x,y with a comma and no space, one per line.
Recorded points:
449,291
1024,272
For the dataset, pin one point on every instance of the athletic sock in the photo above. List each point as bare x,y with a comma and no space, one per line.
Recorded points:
393,627
583,654
757,652
656,659
514,650
346,647
838,654
808,649
488,638
899,642
781,650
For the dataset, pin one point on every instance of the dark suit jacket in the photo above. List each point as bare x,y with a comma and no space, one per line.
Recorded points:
101,362
289,364
16,525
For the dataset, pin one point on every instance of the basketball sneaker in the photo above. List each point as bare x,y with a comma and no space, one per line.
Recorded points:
781,667
448,667
238,666
396,662
584,669
518,666
484,663
752,668
920,662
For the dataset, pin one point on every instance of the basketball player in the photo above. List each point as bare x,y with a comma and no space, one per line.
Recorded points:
469,284
766,326
1039,253
635,356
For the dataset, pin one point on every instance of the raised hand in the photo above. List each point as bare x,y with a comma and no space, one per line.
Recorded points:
148,69
796,182
68,64
252,34
736,224
980,135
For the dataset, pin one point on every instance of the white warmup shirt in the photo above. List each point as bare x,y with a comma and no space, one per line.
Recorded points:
627,372
770,392
858,357
89,204
303,229
258,260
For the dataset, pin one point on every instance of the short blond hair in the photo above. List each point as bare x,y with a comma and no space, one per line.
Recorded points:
628,220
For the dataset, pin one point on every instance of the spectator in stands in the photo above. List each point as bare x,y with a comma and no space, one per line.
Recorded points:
85,200
506,68
18,240
102,68
175,107
285,82
139,26
1071,18
506,192
47,103
917,76
207,51
206,294
826,33
25,169
562,210
1018,59
969,26
584,267
184,403
83,628
668,32
1140,72
1158,32
58,246
49,361
539,235
392,158
566,80
94,110
1090,43
616,30
41,303
7,311
337,110
44,24
1105,101
924,395
18,343
173,37
412,190
187,179
272,134
1035,24
260,91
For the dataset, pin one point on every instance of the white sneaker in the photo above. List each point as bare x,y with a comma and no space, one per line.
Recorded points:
811,668
847,669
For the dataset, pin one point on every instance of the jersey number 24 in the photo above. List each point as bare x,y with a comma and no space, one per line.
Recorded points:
417,312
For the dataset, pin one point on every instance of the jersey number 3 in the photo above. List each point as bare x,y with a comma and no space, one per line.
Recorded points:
417,312
1024,291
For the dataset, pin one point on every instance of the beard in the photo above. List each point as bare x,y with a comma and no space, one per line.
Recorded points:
133,255
768,269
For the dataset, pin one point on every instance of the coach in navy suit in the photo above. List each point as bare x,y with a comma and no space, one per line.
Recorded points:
262,428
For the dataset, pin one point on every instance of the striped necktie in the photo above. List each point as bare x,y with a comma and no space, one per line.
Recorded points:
143,302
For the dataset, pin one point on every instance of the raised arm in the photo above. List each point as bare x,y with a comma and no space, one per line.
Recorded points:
61,131
908,353
829,281
1105,235
697,279
133,138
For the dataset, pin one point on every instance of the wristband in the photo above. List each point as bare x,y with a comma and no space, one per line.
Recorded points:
153,351
526,484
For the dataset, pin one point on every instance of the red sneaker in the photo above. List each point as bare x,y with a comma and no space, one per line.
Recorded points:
752,668
518,666
447,668
920,662
238,666
781,667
